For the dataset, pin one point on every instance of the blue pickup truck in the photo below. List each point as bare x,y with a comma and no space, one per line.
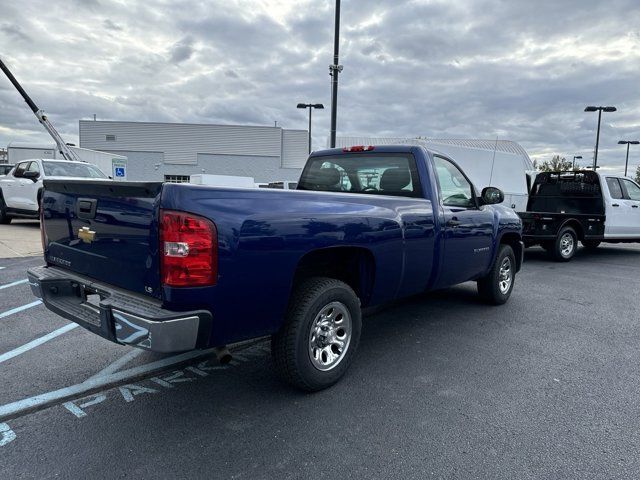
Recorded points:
175,267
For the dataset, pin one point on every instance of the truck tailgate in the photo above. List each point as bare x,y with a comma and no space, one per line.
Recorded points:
105,230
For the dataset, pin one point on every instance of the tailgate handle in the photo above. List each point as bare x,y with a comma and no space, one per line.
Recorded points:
86,208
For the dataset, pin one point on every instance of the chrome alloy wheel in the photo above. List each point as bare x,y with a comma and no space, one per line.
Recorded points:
567,244
330,336
505,276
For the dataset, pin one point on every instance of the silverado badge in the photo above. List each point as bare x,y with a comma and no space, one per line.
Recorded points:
86,235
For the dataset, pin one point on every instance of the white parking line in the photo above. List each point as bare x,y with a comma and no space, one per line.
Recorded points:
22,407
13,284
20,309
38,341
118,364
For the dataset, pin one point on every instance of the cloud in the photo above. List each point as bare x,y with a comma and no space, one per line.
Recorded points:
182,50
109,25
471,68
14,32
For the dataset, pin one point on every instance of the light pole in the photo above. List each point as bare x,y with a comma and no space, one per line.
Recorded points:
310,106
579,157
627,143
334,70
591,108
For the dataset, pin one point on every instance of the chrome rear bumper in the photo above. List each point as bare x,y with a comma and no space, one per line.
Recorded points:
118,315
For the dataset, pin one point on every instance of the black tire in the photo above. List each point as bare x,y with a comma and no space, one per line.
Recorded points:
4,218
591,244
491,287
565,245
291,346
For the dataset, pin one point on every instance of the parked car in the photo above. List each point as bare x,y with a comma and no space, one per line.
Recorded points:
567,207
21,188
5,168
207,266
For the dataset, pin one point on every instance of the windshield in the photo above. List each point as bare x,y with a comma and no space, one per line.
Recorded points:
63,169
381,174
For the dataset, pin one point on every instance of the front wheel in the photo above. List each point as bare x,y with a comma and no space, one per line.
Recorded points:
318,340
497,285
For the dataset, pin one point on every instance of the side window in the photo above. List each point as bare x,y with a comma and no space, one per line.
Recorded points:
632,189
20,168
34,167
614,188
455,190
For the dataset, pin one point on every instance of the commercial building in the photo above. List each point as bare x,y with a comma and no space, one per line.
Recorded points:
175,151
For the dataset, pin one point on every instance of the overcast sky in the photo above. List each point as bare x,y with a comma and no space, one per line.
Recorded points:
517,70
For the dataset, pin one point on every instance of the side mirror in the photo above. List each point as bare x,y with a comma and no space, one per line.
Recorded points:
32,175
491,196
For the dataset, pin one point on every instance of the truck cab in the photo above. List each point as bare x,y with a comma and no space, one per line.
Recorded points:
622,209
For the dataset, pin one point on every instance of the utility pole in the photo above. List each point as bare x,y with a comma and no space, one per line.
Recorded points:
334,70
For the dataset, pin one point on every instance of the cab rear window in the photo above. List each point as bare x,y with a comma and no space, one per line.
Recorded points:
379,174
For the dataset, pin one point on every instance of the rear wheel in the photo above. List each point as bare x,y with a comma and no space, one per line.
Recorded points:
497,285
4,218
316,345
590,244
565,245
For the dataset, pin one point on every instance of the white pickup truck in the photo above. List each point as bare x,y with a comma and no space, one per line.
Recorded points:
21,188
567,207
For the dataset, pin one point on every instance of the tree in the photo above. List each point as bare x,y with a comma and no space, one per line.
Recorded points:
556,164
638,174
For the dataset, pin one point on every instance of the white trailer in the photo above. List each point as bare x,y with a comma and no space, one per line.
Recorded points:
497,163
111,164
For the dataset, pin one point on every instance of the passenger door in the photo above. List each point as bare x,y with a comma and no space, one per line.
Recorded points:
632,199
468,228
12,187
618,211
30,187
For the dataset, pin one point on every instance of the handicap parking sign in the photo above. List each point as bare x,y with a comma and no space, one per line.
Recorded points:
119,171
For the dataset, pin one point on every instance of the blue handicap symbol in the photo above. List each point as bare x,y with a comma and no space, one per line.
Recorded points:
119,171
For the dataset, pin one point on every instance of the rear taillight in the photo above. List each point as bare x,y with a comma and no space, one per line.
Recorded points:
188,250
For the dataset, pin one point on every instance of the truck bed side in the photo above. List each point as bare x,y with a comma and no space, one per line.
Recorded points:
266,237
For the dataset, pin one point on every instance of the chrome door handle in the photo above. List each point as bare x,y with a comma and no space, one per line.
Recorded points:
453,223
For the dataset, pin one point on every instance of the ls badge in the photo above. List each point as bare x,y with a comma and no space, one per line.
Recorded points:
86,235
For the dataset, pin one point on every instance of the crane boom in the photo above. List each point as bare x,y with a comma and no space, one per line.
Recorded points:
63,148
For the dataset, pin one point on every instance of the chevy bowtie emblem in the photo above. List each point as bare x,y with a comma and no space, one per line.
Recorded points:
86,235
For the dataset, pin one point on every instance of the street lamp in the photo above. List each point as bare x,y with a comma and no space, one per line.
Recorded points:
334,69
591,108
310,106
627,143
579,157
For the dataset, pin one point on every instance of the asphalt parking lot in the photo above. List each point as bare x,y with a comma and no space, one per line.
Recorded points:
442,387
